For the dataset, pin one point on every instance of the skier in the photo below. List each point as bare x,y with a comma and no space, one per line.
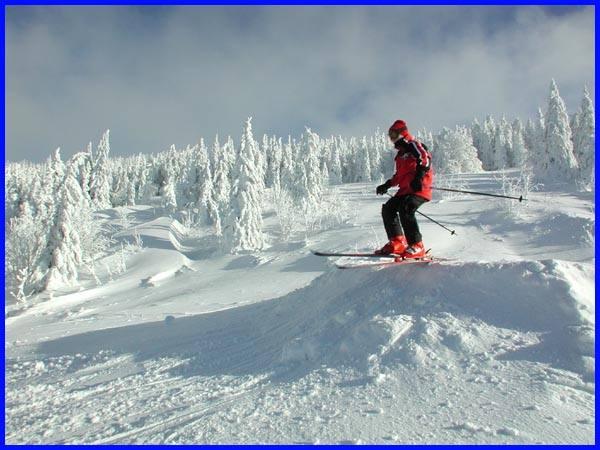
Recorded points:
414,176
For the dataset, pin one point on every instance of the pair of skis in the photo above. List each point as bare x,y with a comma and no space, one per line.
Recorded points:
382,260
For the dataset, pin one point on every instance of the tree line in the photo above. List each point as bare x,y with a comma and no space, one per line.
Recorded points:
51,230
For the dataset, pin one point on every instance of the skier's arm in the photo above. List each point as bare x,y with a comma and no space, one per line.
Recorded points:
423,165
421,155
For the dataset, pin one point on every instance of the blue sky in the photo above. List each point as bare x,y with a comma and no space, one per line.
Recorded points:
158,76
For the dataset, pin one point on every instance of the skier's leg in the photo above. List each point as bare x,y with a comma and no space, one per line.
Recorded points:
408,208
391,222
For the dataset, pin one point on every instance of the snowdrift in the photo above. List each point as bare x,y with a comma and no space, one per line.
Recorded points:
438,315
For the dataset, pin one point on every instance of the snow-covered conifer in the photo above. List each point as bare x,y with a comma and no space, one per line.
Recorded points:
83,161
57,170
363,161
167,181
100,182
260,162
64,245
244,223
204,189
230,155
146,187
288,166
374,159
518,155
501,145
477,133
314,175
487,143
559,161
221,177
538,145
584,138
453,152
529,135
274,163
335,163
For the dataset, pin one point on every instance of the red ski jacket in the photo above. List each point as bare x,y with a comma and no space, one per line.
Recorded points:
412,160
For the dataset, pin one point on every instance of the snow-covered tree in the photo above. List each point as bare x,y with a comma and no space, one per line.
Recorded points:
529,135
274,163
314,175
454,152
363,161
501,145
335,163
204,189
131,192
244,224
26,241
100,181
84,163
288,166
44,194
146,187
386,155
64,246
57,171
486,142
559,161
584,138
222,171
477,134
260,162
537,151
518,155
118,193
167,181
374,159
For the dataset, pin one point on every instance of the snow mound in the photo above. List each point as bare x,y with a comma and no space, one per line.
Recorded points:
435,316
565,230
161,233
421,316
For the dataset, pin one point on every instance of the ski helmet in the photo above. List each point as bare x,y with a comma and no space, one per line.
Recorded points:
398,129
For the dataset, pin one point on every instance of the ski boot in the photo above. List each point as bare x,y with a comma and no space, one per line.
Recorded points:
397,245
415,251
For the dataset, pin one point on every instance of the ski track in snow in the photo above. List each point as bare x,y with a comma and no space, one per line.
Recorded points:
186,346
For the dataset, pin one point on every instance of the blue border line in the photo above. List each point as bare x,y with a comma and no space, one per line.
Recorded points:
299,3
596,17
258,3
3,215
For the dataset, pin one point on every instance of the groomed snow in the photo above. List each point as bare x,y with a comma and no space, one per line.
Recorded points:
181,344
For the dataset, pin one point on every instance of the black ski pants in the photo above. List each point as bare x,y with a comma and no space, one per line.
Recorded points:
399,217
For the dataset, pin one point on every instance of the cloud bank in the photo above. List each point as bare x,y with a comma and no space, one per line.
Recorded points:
158,76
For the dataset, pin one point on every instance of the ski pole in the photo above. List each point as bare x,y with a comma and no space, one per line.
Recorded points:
480,193
452,232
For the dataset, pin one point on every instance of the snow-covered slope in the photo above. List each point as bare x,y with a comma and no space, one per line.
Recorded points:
185,345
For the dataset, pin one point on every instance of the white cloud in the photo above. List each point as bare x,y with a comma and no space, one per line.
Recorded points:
171,75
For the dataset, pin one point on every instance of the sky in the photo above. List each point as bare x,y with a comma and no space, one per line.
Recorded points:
157,76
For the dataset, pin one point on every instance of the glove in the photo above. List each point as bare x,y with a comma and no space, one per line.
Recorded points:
383,188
